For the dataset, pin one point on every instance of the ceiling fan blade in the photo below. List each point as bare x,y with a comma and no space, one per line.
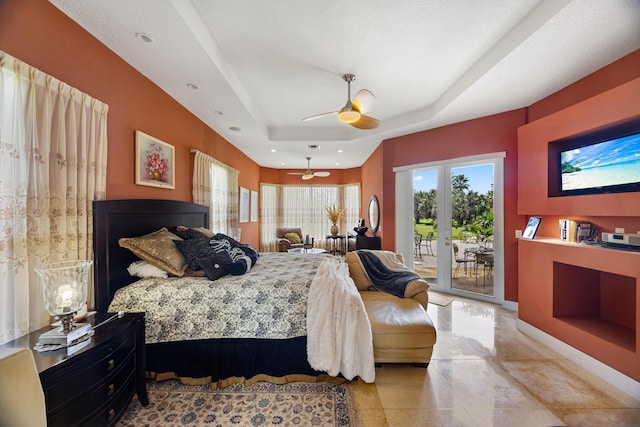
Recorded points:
307,176
322,174
319,116
366,122
295,173
364,101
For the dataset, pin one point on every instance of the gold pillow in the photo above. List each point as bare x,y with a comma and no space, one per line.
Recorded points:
293,238
158,249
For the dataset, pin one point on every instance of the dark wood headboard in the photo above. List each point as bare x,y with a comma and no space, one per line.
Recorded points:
113,219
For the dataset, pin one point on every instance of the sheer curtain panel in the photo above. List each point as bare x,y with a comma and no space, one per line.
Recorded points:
53,164
216,185
304,206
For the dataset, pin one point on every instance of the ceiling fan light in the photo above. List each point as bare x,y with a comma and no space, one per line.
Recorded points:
348,115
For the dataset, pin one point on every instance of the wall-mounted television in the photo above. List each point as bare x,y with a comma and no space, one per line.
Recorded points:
603,161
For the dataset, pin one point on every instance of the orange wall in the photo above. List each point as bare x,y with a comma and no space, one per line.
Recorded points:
37,33
495,133
490,134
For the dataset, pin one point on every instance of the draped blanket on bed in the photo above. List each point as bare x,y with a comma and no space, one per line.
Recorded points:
339,333
272,301
385,272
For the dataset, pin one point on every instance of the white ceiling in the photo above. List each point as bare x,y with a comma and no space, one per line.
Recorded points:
267,64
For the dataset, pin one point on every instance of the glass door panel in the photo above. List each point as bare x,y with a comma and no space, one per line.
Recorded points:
472,229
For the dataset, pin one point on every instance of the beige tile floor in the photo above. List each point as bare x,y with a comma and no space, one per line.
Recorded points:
485,373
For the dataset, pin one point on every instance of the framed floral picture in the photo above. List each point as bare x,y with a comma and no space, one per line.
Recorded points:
155,162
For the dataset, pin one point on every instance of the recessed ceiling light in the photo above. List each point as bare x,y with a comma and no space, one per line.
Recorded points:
273,150
235,128
339,151
144,37
193,86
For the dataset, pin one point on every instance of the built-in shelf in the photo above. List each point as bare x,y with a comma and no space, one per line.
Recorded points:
584,295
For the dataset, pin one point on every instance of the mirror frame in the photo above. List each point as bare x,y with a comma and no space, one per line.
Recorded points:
374,215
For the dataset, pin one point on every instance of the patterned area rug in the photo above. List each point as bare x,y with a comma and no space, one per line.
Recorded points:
261,404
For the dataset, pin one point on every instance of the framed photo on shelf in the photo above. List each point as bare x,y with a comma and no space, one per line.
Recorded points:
155,162
244,204
254,206
531,228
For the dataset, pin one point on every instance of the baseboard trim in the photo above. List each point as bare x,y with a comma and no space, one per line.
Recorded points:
510,305
607,373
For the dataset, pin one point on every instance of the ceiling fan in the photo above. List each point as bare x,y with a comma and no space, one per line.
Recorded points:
353,113
308,174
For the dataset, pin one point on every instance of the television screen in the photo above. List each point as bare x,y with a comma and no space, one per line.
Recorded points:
606,161
604,164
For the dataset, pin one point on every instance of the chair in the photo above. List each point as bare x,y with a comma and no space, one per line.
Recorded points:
21,397
486,259
417,248
427,245
460,260
284,244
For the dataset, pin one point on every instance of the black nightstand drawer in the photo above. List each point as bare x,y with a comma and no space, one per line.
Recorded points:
109,415
92,383
103,394
70,383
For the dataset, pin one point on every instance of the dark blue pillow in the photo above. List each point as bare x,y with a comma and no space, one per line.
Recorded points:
216,265
194,249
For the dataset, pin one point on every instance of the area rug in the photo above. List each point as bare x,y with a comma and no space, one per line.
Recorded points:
261,404
439,299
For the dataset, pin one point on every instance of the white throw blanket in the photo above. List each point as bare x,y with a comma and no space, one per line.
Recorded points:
339,338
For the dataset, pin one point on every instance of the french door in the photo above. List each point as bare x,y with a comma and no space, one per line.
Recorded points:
459,204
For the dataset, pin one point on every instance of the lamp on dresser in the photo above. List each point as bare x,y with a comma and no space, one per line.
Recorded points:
64,287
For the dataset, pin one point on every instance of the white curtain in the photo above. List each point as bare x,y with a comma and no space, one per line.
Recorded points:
304,206
53,163
216,185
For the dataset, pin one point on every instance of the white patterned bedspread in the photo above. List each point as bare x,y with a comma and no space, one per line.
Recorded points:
268,302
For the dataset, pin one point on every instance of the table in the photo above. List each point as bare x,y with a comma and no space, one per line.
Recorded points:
336,245
307,251
483,256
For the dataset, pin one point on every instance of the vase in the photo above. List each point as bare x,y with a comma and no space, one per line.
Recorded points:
156,176
334,230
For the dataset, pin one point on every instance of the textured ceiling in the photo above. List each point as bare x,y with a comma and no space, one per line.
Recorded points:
266,65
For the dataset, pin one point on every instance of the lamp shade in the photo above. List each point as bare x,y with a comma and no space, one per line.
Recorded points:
64,286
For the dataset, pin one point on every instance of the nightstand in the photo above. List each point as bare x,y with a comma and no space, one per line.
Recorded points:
364,242
93,382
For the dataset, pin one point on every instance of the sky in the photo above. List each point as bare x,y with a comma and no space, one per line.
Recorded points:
480,178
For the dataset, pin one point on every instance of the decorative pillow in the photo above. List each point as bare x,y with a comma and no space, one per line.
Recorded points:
208,233
194,249
143,269
293,238
188,233
219,245
217,265
220,236
158,249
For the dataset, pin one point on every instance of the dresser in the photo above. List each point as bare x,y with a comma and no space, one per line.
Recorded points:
92,383
364,242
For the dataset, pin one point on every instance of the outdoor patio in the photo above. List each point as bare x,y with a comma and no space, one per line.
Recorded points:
480,281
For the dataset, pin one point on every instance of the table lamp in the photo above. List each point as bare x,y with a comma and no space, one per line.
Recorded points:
64,286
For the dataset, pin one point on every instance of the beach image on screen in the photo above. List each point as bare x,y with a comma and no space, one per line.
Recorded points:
603,164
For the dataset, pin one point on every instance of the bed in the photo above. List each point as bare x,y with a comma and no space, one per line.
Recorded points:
221,359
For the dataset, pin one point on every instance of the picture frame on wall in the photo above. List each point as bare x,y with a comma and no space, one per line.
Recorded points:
244,205
155,162
254,206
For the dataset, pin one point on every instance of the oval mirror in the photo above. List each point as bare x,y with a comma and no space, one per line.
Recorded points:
374,214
